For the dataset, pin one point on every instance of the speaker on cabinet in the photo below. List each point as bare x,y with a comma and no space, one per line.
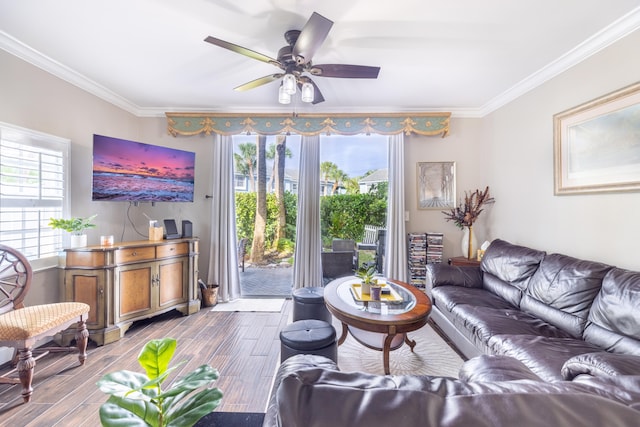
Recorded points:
187,228
171,230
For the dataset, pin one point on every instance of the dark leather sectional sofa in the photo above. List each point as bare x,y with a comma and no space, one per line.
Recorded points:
542,309
556,340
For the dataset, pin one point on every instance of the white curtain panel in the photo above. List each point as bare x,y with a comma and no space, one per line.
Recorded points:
395,261
307,268
223,261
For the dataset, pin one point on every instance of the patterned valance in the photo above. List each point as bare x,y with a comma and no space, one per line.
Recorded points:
308,124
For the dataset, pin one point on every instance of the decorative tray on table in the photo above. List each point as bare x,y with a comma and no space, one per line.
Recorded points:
387,294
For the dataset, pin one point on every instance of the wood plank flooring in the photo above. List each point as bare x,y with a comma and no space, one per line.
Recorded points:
244,347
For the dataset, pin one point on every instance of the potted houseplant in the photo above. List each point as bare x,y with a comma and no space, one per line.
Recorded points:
137,399
75,226
366,275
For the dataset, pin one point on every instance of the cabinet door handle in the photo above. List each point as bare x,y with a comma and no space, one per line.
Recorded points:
134,253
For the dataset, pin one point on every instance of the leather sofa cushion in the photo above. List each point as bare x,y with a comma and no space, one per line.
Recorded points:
289,366
565,321
447,297
613,322
486,322
562,289
505,290
508,269
321,397
601,364
490,368
446,275
511,263
544,356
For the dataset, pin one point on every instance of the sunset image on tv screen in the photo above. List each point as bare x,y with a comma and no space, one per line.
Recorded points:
132,171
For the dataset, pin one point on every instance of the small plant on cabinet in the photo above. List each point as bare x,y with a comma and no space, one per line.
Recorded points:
74,226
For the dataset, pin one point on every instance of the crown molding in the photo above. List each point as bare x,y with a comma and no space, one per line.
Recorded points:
35,58
617,30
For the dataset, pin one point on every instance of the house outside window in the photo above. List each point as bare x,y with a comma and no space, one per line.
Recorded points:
33,188
240,182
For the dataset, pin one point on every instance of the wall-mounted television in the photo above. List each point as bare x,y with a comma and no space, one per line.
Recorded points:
136,172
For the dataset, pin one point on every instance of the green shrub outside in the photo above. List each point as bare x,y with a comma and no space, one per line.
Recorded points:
343,216
246,214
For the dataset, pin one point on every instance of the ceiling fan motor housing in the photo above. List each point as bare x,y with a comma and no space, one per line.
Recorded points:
285,57
291,37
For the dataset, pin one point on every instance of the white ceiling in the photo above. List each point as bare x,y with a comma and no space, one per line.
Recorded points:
464,56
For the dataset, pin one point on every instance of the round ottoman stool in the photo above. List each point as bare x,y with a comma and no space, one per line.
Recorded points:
308,336
308,303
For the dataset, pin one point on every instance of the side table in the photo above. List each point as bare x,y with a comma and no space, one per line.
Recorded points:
463,261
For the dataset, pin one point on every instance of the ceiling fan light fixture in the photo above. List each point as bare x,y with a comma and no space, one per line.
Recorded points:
307,92
289,83
283,96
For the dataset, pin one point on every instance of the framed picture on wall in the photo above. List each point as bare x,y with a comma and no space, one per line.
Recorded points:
436,183
597,145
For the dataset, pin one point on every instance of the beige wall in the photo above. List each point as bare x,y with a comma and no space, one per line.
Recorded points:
464,147
34,99
511,150
517,162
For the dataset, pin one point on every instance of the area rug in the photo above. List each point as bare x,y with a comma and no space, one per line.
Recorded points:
251,304
431,356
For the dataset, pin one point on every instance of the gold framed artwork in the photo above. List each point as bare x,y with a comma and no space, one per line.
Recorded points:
436,183
597,145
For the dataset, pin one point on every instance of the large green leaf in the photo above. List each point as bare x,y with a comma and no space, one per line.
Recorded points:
126,383
156,355
194,408
181,388
155,383
201,377
119,412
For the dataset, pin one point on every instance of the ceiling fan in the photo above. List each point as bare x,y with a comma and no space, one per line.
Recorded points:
295,62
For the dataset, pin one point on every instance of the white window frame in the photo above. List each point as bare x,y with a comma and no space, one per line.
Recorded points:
30,139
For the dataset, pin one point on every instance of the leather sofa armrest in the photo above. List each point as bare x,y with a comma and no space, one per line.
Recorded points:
487,368
289,366
449,275
601,364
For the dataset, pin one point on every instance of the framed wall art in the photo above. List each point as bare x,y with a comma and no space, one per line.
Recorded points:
597,145
436,183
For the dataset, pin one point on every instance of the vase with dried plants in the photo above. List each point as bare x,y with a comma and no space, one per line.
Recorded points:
468,211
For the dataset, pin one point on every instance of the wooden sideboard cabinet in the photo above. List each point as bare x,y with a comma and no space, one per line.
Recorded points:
130,281
463,261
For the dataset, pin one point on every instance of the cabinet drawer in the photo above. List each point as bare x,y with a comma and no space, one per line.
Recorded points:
172,250
135,254
85,259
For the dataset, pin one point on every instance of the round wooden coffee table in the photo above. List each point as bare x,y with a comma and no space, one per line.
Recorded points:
380,325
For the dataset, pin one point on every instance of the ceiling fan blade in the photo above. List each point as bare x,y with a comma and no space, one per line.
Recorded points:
258,82
317,95
242,51
345,71
311,37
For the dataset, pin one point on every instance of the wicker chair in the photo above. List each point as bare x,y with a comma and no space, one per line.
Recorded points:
23,327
